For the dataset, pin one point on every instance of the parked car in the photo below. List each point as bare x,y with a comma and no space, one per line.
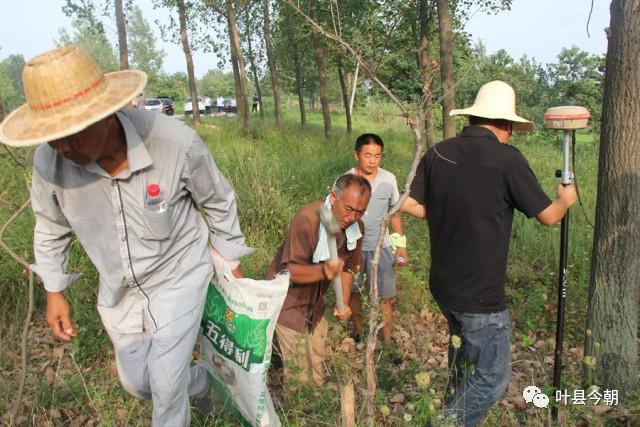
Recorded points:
168,107
230,106
153,104
188,106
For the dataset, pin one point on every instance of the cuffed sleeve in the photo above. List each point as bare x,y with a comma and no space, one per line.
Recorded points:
52,237
213,193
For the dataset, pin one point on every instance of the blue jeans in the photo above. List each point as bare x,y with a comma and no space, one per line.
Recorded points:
481,367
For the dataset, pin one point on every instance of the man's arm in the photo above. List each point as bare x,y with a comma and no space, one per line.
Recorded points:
347,284
567,196
304,274
213,193
51,241
412,207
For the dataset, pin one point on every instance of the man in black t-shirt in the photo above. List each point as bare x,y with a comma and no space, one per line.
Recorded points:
470,185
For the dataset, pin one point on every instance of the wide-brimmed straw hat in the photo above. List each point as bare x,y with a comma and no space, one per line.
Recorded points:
496,100
66,92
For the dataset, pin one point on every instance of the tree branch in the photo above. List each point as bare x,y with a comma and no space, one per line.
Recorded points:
27,320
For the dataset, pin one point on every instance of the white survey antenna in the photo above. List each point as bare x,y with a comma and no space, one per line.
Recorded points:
567,117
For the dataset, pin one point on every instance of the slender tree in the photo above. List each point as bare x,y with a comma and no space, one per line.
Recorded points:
182,16
612,319
236,80
234,36
122,36
290,34
322,74
446,69
426,70
345,98
254,70
271,60
299,84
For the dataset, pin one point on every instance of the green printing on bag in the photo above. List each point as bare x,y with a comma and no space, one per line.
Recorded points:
238,337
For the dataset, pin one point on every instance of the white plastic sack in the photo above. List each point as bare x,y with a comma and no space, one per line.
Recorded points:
239,319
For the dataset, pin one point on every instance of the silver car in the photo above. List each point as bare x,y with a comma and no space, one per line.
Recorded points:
153,104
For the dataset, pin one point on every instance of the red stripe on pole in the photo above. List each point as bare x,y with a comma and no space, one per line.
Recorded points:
566,116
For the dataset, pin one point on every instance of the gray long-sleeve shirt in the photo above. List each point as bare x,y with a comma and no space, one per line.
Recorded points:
158,262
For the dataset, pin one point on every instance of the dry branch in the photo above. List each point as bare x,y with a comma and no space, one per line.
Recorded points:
27,320
416,126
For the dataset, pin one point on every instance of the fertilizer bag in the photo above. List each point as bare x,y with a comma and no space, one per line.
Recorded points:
239,318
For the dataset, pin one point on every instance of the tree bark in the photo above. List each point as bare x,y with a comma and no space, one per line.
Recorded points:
242,73
254,71
426,72
236,79
355,86
271,60
187,54
322,75
446,69
299,85
345,98
612,318
122,36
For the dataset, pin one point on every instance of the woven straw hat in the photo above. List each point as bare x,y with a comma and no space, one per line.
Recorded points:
66,92
496,100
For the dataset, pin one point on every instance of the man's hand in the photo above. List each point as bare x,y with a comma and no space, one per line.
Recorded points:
567,196
331,268
342,315
401,252
567,193
59,316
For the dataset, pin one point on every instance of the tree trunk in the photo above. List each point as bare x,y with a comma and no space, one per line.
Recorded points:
122,36
353,91
612,318
299,85
187,54
237,51
446,69
271,60
426,72
322,75
345,98
254,71
236,79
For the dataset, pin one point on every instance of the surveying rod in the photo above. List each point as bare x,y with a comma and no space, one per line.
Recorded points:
567,119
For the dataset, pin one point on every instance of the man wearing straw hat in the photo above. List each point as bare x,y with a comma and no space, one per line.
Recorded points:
467,187
126,183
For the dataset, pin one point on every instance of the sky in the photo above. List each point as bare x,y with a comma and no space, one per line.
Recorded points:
537,28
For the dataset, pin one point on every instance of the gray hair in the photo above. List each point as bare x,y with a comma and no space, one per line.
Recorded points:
348,180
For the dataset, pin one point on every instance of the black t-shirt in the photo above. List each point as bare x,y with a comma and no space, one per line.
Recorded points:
470,185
